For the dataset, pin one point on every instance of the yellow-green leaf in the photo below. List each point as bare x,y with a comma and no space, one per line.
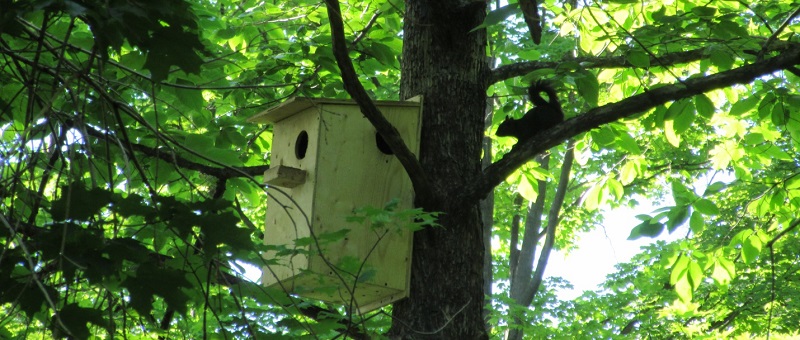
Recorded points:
669,132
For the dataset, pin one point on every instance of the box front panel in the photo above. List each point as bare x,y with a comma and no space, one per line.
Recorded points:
289,210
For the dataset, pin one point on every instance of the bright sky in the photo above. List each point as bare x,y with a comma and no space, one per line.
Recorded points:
601,249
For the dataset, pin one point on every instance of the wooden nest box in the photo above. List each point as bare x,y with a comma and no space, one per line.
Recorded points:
326,161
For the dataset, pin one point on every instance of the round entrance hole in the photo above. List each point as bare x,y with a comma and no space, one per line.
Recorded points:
301,145
382,145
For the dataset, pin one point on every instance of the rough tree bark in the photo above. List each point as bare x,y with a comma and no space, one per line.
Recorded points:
446,63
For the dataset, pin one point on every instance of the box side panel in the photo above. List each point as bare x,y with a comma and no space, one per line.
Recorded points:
356,173
289,210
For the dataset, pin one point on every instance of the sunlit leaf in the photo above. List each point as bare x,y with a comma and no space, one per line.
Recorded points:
695,274
594,196
706,207
751,247
526,189
679,270
720,274
669,131
696,222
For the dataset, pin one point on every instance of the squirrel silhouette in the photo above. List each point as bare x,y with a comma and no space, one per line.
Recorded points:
544,115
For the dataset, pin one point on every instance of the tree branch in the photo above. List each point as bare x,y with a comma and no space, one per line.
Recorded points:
514,70
524,286
419,179
530,12
525,151
171,157
552,223
530,240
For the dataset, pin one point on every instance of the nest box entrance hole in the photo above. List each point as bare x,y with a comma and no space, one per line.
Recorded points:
382,145
301,145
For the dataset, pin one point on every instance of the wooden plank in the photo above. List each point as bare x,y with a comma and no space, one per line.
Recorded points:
345,170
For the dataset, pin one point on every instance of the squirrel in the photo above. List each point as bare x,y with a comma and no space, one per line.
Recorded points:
544,115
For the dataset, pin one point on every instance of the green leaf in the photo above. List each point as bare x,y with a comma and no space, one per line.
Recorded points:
659,14
727,265
766,105
751,247
604,136
200,118
744,105
647,228
777,199
676,217
684,119
150,281
130,206
221,228
792,183
675,109
172,46
679,269
78,203
779,115
192,98
594,197
714,188
629,144
30,298
704,106
383,53
753,138
74,318
615,188
773,152
684,289
199,142
627,173
720,274
681,194
669,131
497,16
638,58
695,274
696,222
224,156
728,29
526,189
588,87
706,207
721,58
704,11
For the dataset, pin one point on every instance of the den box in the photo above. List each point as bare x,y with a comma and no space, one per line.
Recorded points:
326,161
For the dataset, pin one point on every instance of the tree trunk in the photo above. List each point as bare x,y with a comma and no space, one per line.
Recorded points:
446,63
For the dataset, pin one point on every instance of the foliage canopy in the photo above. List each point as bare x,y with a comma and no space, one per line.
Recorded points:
130,200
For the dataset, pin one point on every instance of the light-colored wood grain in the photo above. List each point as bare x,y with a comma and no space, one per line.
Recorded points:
345,170
284,176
